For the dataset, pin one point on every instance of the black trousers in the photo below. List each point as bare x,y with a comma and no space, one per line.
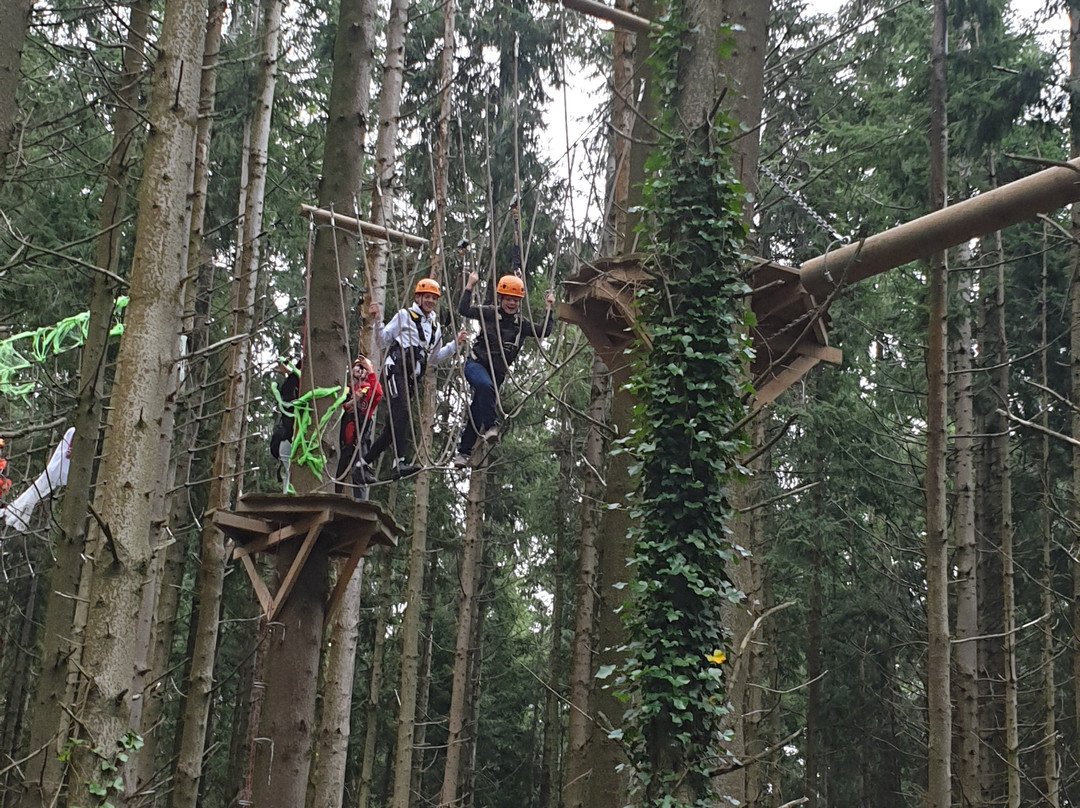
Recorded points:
401,392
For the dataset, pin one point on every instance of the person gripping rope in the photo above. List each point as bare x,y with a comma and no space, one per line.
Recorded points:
414,339
502,332
354,436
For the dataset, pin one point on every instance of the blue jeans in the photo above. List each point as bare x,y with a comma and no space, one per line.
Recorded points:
482,409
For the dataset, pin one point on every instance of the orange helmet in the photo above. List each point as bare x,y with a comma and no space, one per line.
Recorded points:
427,286
511,286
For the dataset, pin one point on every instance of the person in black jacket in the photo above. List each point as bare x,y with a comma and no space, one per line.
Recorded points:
502,332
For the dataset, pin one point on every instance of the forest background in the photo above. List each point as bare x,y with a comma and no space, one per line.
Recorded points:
483,661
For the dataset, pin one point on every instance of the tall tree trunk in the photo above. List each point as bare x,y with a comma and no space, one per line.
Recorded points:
378,657
550,763
1000,470
423,672
328,771
327,779
14,21
815,731
965,559
608,778
383,189
282,764
1074,354
227,460
210,572
403,754
578,724
939,714
64,617
149,350
460,697
1051,779
744,76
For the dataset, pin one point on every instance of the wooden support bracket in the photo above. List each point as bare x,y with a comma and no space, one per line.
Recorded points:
265,522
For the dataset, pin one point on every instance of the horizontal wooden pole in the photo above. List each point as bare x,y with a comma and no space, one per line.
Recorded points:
355,225
616,16
1018,201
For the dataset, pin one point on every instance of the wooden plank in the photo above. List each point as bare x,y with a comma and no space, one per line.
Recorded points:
348,568
298,563
261,592
233,524
275,537
783,380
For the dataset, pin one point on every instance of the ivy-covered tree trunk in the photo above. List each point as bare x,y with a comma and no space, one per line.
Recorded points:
148,352
64,616
693,393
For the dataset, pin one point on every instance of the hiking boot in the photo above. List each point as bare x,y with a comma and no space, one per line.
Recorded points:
461,461
366,474
491,433
403,469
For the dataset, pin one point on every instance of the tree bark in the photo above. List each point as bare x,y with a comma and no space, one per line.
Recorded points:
64,618
1000,469
965,559
327,779
287,747
1074,349
471,553
939,713
149,350
227,462
1051,777
582,670
378,656
383,189
14,22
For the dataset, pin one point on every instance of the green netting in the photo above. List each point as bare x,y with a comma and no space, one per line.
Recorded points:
307,436
21,351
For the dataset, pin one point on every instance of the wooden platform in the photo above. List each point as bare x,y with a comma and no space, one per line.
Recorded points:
345,527
789,339
791,335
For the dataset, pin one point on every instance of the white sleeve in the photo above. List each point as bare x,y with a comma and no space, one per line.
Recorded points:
442,352
386,335
17,514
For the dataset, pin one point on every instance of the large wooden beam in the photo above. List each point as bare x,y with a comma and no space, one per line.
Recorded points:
1018,201
369,229
616,16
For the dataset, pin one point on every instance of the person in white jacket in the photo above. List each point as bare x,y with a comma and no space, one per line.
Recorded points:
17,514
414,339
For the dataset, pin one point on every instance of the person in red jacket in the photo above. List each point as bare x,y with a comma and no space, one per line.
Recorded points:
354,436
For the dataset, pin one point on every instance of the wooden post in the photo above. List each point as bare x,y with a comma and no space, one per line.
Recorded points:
368,229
